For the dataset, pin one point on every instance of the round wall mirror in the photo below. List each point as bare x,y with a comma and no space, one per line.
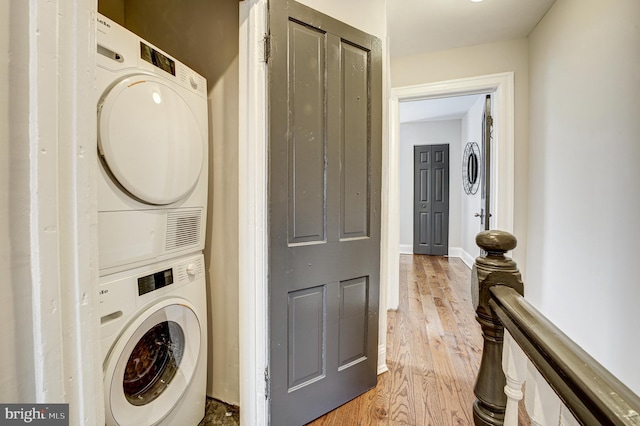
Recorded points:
471,168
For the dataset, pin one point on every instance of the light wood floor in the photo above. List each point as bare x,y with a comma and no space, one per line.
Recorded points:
433,352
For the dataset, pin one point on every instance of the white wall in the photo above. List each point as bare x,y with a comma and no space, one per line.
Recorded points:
471,203
429,133
475,61
585,179
374,21
15,352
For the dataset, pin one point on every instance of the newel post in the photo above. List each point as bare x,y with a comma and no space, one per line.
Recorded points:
490,269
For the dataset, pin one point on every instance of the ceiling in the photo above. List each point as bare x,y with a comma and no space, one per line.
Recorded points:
418,26
436,109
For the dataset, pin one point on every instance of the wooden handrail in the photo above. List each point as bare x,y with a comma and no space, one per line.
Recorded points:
590,392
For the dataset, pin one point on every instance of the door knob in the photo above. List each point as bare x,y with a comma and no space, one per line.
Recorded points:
424,206
478,215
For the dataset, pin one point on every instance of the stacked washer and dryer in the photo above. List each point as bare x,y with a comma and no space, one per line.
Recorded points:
152,197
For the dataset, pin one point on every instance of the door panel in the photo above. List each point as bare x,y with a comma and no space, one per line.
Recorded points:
438,230
431,200
355,142
308,144
306,336
424,230
353,321
424,181
324,204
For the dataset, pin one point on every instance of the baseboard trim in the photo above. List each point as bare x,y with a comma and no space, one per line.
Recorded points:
382,359
455,252
467,258
452,252
406,249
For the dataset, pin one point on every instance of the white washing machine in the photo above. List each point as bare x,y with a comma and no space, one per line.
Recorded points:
153,150
153,330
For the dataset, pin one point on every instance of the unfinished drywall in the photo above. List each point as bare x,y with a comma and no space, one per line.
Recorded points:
584,177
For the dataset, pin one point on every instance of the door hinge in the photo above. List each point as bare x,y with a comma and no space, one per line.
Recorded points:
267,47
267,383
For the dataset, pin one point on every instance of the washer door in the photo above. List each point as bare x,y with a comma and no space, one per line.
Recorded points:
151,364
150,139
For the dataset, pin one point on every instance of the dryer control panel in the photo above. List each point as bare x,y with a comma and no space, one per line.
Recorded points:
120,49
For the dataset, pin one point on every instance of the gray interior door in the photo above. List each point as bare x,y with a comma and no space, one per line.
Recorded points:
431,199
324,212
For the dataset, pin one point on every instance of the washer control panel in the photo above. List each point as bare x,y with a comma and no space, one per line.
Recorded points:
123,293
184,272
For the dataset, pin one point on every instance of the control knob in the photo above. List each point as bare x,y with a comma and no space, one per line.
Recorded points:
191,270
193,81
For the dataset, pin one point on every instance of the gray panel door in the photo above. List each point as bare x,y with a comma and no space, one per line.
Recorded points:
324,212
431,199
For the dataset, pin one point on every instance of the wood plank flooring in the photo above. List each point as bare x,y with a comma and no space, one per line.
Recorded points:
433,353
434,347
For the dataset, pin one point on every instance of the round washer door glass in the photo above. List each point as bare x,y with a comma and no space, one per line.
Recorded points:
150,139
152,364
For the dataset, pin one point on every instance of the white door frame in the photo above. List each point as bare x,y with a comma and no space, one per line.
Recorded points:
54,140
252,212
502,87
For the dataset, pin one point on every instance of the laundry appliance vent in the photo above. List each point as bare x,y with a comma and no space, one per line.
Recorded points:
183,229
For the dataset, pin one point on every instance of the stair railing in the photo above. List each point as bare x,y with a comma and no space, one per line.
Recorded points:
590,393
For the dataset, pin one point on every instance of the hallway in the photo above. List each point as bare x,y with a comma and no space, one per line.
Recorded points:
433,352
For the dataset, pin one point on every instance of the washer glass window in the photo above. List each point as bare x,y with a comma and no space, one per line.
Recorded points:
153,363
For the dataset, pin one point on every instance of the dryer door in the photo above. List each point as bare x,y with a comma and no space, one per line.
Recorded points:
151,364
150,139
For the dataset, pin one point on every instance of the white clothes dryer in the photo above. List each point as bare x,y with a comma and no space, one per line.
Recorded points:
154,343
153,151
